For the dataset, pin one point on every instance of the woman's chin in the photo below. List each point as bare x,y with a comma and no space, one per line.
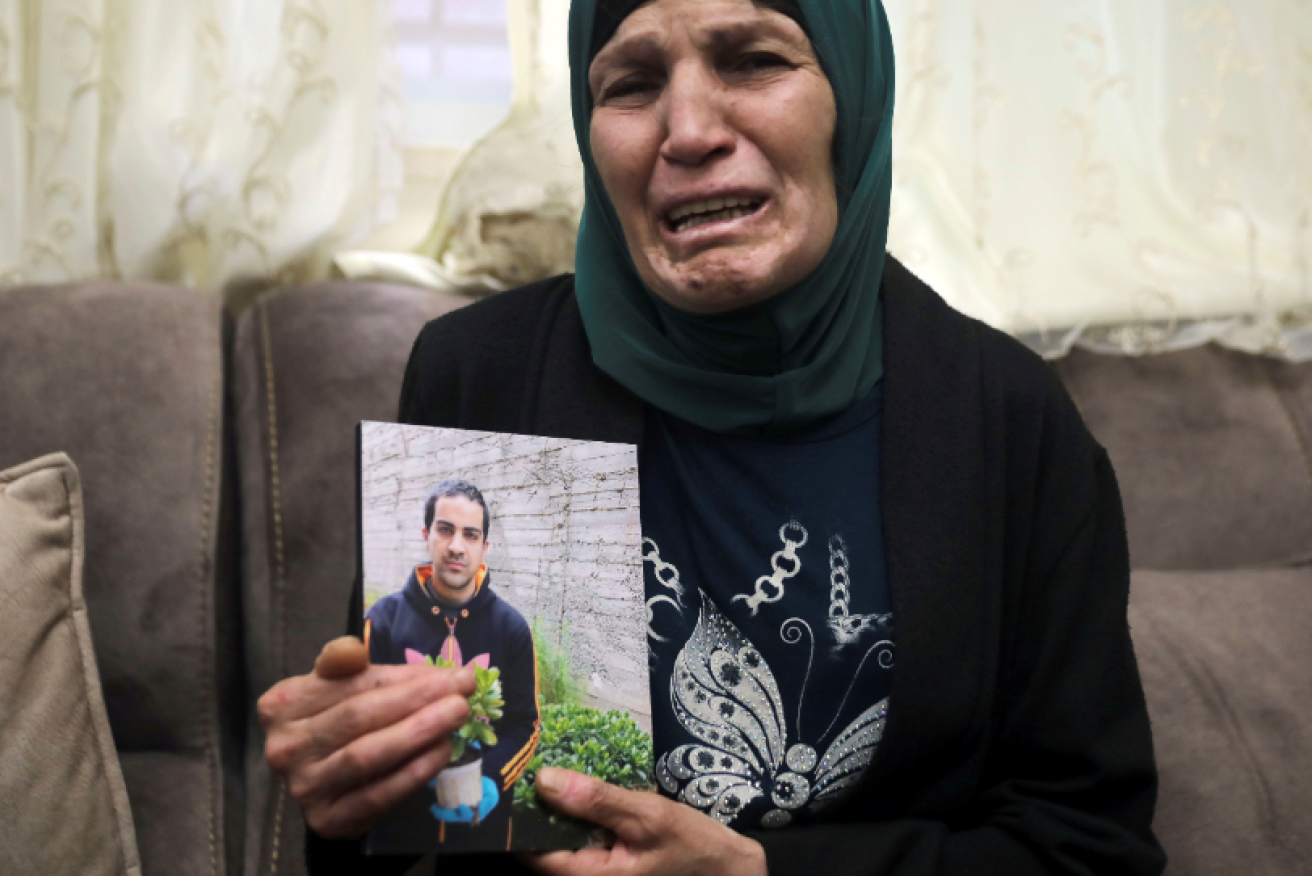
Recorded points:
720,279
719,292
722,270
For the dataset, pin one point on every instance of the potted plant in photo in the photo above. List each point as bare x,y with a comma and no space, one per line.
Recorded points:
461,783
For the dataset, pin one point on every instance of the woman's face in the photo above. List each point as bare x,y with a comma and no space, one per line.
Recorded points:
712,130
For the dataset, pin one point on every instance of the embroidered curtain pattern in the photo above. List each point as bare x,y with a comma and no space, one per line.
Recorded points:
211,143
1128,176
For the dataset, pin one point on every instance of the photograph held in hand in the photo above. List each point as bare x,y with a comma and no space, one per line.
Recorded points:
516,559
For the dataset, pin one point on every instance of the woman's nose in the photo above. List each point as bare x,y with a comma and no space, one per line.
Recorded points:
696,127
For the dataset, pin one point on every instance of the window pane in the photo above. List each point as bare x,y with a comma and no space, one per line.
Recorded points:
476,62
454,57
474,12
412,10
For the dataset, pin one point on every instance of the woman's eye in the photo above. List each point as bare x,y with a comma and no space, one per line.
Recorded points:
760,61
628,87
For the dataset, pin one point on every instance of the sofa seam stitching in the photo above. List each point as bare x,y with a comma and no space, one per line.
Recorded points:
211,719
279,570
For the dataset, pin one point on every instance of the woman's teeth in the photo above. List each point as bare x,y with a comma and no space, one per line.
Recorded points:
701,213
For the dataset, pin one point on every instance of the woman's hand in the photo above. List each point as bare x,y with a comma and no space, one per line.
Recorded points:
354,740
653,836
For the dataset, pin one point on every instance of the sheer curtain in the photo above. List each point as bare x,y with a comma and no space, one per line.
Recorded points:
213,143
510,210
1130,176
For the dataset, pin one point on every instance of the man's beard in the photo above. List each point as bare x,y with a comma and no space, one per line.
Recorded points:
457,584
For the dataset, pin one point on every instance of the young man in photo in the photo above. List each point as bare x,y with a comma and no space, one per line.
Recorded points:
448,610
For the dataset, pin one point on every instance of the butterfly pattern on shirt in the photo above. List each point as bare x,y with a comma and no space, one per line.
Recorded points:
724,694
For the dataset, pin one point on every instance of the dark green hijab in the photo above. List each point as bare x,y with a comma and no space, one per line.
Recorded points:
801,356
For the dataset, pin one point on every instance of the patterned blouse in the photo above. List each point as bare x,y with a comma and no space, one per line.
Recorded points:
770,621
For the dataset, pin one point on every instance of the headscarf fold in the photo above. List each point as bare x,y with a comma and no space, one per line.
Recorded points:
800,356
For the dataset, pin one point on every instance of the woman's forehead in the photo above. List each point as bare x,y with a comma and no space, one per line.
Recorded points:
610,14
712,24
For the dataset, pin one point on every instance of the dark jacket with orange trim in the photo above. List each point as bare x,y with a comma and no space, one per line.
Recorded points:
412,624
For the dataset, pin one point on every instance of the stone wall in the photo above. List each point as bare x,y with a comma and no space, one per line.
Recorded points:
565,538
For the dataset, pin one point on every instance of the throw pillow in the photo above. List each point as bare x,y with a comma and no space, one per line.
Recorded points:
61,790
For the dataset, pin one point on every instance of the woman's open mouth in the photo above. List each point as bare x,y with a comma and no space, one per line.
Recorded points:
700,213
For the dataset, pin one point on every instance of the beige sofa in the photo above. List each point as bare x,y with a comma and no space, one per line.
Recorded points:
216,459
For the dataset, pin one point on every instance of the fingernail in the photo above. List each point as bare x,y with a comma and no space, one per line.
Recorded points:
552,780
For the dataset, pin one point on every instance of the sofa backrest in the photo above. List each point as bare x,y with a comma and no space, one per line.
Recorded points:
311,363
128,380
1210,448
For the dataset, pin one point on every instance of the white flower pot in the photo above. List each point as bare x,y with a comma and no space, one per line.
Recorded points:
461,786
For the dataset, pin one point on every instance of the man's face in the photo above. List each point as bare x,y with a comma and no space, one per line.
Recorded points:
456,543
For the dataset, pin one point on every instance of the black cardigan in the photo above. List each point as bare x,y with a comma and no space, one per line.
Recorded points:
1017,740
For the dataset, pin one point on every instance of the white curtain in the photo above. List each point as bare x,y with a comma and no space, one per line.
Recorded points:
510,210
218,144
1131,175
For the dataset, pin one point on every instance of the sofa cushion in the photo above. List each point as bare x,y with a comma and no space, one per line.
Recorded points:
1225,660
65,804
311,362
1208,451
128,380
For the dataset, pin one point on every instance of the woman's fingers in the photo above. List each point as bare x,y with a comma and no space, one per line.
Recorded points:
304,696
632,815
379,709
342,658
337,713
335,739
377,754
353,740
352,813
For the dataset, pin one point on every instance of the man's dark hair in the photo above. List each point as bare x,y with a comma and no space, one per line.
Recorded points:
450,488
